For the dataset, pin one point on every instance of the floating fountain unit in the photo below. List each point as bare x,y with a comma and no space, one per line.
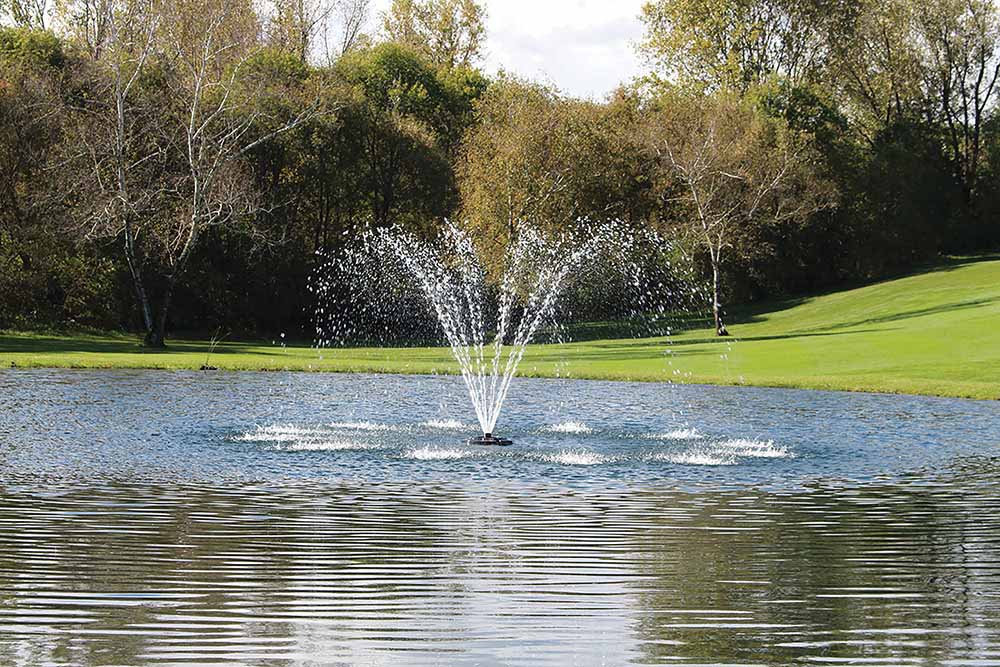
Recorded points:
488,439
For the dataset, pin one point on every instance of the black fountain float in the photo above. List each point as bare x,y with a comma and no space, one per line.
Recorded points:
489,439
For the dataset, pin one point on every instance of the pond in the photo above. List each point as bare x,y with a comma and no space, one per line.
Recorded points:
275,519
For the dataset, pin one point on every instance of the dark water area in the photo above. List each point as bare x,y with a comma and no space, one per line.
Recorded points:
297,519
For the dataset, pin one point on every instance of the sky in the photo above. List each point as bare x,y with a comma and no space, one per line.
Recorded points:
583,47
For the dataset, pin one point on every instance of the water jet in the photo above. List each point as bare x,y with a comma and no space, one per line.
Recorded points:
487,320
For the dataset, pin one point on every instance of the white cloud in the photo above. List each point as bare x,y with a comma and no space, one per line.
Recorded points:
584,47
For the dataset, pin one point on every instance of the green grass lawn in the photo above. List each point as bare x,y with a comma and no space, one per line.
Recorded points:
934,332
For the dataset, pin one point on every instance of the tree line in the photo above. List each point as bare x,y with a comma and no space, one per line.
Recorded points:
176,165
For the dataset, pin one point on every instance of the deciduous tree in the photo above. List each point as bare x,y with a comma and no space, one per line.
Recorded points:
124,143
217,117
407,116
185,99
734,169
736,44
449,33
26,13
515,165
961,39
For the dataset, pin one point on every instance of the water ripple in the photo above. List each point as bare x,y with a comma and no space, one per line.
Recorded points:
170,518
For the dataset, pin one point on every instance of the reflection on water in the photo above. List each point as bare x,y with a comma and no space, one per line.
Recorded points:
154,518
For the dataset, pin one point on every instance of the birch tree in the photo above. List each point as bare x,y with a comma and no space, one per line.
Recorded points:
734,169
165,140
216,116
121,141
26,13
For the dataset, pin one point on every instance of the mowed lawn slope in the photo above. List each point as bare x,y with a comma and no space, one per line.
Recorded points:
936,332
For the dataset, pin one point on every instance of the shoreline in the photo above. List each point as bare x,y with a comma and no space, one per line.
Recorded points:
925,334
296,362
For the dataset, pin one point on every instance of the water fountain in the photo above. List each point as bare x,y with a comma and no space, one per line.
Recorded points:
487,323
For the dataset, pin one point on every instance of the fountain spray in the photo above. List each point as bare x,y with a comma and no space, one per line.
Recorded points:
487,326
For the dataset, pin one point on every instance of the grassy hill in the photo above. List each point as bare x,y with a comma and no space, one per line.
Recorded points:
934,332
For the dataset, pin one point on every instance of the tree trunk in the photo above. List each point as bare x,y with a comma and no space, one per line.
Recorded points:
141,296
720,327
154,339
157,336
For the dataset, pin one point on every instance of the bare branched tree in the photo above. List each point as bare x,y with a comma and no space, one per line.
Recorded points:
734,170
350,16
87,21
165,143
26,13
120,139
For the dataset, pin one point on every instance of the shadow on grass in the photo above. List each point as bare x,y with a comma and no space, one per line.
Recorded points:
43,344
638,350
909,314
49,344
635,327
753,313
716,340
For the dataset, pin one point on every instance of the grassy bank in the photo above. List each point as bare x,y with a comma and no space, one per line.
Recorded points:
934,332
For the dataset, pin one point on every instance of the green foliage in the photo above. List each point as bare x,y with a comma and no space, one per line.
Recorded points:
462,87
447,33
392,78
55,284
736,44
806,108
885,95
911,195
275,65
30,47
408,116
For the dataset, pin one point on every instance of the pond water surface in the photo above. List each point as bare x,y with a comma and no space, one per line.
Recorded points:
295,519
